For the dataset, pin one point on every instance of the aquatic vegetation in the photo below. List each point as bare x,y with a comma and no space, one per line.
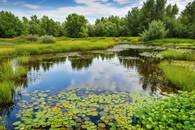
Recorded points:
174,112
6,92
8,78
75,109
180,73
92,109
2,127
6,71
23,60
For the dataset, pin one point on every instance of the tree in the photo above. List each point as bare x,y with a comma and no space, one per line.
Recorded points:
110,26
10,25
25,23
188,20
156,31
50,27
134,22
35,26
75,26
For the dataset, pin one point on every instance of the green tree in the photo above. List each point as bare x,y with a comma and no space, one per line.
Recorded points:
188,20
35,26
10,25
134,22
156,30
76,26
25,23
50,27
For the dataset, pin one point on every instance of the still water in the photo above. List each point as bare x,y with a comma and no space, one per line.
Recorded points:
112,70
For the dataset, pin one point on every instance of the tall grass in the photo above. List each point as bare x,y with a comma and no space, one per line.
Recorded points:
178,54
8,78
174,41
6,92
179,74
19,47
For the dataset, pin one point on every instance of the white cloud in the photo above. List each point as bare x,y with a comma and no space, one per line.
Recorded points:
31,6
92,9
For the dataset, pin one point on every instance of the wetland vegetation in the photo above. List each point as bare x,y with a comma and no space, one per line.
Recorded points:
120,73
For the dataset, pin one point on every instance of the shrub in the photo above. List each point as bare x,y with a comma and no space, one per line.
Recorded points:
47,39
156,30
32,38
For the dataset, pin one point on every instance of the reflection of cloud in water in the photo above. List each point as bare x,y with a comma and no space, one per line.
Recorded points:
109,75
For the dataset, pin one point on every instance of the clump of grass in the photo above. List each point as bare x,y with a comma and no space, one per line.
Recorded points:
47,39
6,71
178,54
8,78
180,75
6,93
23,60
32,38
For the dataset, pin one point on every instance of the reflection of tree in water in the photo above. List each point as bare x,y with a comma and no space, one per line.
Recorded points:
86,60
152,77
81,62
45,63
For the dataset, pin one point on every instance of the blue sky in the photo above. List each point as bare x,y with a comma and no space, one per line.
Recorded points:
59,9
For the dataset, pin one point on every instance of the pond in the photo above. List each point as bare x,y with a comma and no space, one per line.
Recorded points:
116,70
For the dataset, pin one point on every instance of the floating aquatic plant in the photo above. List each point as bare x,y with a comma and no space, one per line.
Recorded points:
75,110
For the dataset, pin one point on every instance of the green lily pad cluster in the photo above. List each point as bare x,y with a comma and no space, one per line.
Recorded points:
76,109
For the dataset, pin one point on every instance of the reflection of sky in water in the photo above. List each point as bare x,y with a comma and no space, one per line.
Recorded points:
102,74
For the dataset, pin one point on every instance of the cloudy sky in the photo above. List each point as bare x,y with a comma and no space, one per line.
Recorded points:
59,9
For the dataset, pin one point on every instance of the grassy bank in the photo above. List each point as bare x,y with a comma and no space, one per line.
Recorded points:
180,73
173,41
19,46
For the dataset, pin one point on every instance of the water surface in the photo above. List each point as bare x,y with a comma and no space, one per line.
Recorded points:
114,70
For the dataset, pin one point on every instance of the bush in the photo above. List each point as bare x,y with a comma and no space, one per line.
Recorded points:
156,30
32,38
47,39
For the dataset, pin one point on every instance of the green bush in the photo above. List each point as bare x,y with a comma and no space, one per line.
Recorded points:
47,39
156,30
32,38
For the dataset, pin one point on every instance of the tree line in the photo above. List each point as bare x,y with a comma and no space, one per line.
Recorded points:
135,23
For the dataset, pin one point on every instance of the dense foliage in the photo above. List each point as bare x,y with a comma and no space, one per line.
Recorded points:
76,26
135,22
172,113
156,30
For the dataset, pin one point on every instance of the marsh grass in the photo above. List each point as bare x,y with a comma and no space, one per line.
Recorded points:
178,54
181,74
8,78
6,92
173,41
23,60
18,46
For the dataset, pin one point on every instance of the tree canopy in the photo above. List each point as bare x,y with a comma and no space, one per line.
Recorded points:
133,24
